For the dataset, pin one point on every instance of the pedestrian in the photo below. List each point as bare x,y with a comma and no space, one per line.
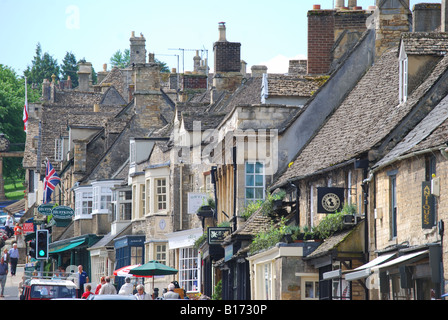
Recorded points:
3,274
108,288
98,287
171,294
18,232
127,288
141,294
8,226
5,255
83,278
86,294
13,258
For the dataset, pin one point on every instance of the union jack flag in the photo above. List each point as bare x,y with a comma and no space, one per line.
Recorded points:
50,182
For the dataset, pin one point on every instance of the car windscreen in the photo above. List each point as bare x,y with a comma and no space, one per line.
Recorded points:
52,292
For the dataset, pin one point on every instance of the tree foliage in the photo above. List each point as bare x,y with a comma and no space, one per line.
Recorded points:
12,101
69,67
120,59
42,67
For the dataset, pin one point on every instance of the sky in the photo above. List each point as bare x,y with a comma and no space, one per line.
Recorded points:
270,32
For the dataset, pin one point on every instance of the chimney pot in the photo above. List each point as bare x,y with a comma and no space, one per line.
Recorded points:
222,31
316,6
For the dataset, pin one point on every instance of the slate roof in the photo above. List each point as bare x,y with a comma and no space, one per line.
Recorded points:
292,85
425,43
432,131
248,93
365,118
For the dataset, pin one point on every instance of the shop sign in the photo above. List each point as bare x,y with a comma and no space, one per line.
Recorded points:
216,235
28,227
196,200
228,252
330,200
62,212
427,206
45,209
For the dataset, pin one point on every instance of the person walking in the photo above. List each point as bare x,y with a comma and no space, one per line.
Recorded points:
13,258
83,278
141,294
3,275
108,288
9,226
127,288
171,294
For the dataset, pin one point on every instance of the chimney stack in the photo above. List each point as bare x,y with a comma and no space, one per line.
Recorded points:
444,17
84,73
227,54
339,4
137,49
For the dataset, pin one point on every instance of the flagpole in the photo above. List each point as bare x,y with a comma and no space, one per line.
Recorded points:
25,109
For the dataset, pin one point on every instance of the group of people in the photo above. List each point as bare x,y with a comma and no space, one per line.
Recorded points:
10,256
106,287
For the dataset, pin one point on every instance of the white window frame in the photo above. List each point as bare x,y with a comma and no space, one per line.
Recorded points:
83,203
102,196
403,75
254,186
58,149
189,269
158,194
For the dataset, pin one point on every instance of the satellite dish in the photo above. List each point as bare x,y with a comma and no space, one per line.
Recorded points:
71,269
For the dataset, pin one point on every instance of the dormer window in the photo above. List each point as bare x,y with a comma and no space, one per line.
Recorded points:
403,75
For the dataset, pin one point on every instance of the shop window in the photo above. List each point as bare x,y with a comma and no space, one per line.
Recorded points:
189,269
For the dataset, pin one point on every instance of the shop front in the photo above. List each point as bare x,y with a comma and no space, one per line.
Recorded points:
129,250
410,273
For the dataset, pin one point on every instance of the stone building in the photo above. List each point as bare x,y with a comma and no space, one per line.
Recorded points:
357,152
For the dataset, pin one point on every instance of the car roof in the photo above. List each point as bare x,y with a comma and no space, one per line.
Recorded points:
112,297
51,282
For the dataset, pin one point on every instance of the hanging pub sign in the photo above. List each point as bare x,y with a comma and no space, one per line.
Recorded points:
427,206
329,200
45,209
216,235
62,212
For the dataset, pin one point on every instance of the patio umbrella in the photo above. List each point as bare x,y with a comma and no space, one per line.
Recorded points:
153,268
124,271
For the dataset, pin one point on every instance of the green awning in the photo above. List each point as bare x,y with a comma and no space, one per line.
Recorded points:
68,246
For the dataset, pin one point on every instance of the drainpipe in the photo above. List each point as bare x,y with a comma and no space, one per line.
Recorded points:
213,176
180,195
234,189
365,188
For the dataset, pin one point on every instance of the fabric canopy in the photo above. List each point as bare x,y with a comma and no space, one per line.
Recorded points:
68,246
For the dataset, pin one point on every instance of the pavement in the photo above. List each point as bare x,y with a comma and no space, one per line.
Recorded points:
12,283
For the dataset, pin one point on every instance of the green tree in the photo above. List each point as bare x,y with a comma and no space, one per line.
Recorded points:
119,59
69,67
12,101
42,67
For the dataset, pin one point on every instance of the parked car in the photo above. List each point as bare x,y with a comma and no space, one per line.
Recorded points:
47,289
111,297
